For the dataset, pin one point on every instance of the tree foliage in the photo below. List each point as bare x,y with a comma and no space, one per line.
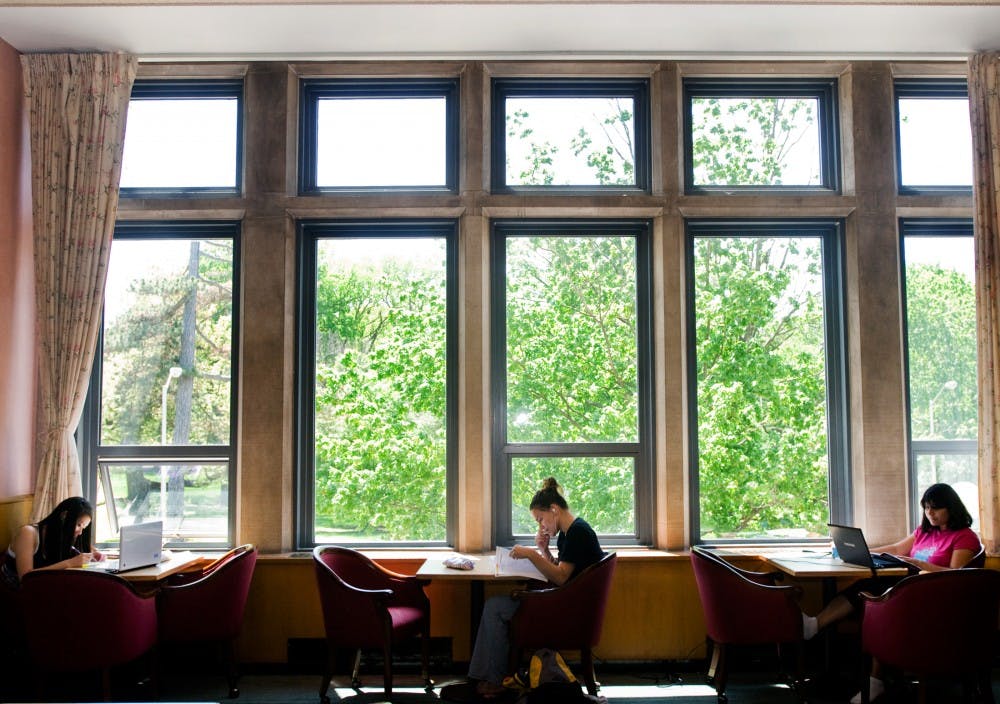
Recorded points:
380,425
380,414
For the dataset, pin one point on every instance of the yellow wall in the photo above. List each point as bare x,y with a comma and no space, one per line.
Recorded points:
653,614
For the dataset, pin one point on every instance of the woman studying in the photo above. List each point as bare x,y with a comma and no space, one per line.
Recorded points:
60,540
577,548
944,540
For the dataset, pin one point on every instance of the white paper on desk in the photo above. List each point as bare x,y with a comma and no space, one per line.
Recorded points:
506,566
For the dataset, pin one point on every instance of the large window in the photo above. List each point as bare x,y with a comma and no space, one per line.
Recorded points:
939,271
158,432
571,374
779,134
767,380
183,138
570,134
376,397
933,135
378,134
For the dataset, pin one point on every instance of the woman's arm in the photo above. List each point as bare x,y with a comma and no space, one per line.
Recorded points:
902,548
556,572
25,545
959,558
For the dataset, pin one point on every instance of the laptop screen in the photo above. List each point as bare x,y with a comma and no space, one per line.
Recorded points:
141,545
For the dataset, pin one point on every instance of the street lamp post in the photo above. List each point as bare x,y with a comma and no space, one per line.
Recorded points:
949,385
174,373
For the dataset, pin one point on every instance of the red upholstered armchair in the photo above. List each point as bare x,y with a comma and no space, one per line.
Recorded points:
78,621
939,624
743,608
569,617
210,608
368,606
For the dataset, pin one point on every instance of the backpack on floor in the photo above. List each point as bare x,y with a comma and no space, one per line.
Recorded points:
548,680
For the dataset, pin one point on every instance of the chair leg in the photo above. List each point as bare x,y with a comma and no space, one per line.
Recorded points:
232,675
719,665
425,660
713,661
327,675
387,670
355,676
106,683
587,663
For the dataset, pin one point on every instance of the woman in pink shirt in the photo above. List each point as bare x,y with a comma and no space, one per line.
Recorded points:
944,540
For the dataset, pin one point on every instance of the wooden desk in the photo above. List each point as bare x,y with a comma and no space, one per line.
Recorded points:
177,562
822,566
482,571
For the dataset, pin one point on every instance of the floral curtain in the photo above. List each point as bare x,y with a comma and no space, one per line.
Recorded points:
984,108
77,104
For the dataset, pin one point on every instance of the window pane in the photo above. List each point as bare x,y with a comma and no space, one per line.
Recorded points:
598,489
168,327
747,141
178,143
935,142
196,508
761,387
941,325
380,389
570,141
571,339
961,471
381,142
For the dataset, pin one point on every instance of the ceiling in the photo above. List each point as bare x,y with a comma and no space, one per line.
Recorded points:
377,29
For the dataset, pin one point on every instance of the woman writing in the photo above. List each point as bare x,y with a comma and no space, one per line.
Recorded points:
60,540
942,541
577,548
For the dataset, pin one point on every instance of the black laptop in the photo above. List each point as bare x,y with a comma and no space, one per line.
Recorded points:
853,549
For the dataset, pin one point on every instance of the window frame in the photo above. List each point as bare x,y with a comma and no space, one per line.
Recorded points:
312,90
824,90
503,452
929,88
309,233
502,88
940,228
831,232
193,89
94,455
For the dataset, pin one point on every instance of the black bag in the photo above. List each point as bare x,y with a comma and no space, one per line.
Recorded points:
548,680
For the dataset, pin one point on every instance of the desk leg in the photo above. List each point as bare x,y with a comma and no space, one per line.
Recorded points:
477,598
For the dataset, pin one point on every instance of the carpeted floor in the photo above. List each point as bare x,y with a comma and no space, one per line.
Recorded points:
620,688
619,685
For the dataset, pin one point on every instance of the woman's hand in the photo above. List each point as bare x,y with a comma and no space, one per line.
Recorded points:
542,540
78,560
919,564
519,552
96,555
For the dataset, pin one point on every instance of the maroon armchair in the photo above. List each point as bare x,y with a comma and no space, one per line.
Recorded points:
79,621
210,608
569,617
743,608
368,606
938,624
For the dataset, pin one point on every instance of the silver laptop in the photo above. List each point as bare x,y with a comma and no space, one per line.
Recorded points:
140,545
853,549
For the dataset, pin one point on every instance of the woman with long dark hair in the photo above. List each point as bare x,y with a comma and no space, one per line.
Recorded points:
944,540
62,539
